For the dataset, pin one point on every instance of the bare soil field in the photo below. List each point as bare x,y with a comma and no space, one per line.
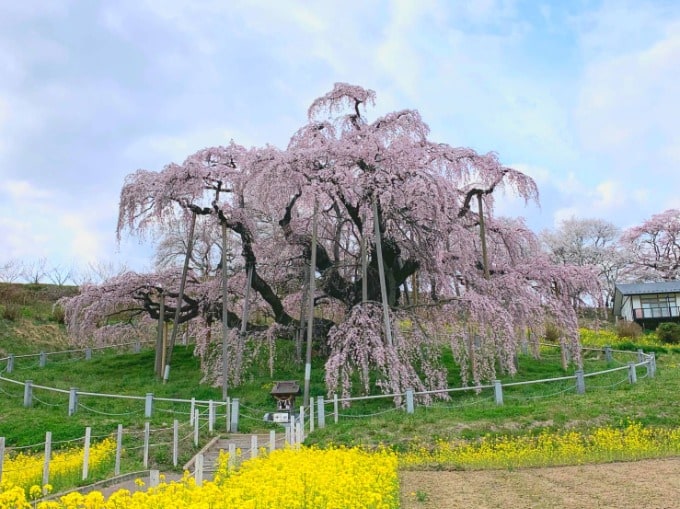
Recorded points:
653,484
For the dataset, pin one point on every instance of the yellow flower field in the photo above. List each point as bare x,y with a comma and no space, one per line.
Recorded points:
549,449
24,471
337,478
307,478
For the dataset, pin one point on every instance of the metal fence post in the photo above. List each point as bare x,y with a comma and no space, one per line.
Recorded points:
580,382
498,391
632,373
28,393
72,401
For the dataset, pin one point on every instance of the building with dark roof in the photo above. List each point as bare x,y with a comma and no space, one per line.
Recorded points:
648,304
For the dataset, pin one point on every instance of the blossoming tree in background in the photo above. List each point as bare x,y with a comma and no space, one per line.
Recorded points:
408,254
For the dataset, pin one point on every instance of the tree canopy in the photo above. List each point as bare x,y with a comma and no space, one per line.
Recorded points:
454,273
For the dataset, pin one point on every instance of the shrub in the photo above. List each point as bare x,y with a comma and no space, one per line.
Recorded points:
552,333
11,312
668,332
626,329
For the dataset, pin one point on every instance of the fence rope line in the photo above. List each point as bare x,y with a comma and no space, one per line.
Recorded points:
355,416
108,413
539,396
45,402
624,380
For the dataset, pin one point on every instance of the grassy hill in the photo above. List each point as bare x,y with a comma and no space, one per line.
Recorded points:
32,325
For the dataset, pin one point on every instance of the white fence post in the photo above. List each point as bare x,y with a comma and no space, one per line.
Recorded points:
640,355
2,455
632,373
196,419
10,363
272,440
28,393
147,436
302,422
321,412
191,411
253,446
231,463
311,415
175,442
46,464
234,415
154,478
43,359
336,415
119,449
608,354
86,452
211,416
148,405
498,391
198,469
88,353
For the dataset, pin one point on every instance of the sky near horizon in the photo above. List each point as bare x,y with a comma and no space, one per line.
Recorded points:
583,96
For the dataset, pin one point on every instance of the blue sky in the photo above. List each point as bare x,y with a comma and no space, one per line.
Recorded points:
582,95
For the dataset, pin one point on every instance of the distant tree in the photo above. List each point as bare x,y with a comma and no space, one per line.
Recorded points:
98,272
424,211
589,242
11,270
34,271
60,275
654,247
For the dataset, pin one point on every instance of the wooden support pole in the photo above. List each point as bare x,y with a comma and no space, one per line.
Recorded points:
225,317
180,297
310,314
381,274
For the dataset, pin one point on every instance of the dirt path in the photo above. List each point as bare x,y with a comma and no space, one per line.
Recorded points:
640,485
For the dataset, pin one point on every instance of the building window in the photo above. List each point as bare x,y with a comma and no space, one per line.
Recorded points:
657,306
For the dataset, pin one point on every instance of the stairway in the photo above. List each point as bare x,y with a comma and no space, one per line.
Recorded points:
212,450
